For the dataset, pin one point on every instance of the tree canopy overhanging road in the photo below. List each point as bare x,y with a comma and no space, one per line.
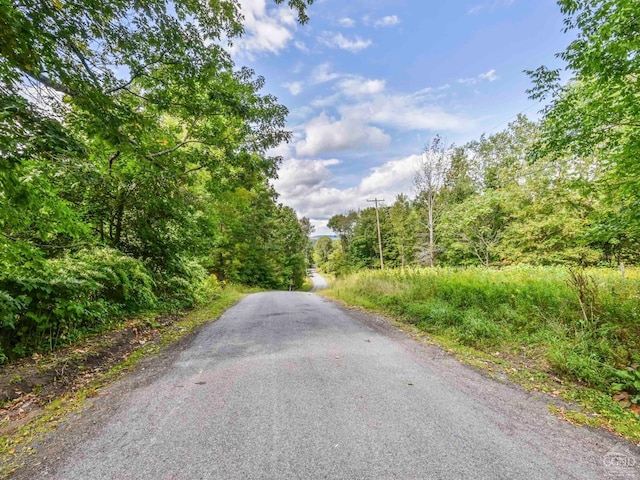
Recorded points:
288,385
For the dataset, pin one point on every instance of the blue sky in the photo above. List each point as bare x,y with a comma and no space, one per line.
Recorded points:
369,82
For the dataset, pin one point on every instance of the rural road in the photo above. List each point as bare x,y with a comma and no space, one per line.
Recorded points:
289,385
319,282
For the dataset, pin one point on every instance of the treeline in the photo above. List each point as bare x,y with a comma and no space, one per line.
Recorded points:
562,191
490,203
133,172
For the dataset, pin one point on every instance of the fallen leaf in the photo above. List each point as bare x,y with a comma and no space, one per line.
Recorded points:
620,397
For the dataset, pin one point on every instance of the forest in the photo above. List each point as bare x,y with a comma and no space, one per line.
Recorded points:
133,166
559,191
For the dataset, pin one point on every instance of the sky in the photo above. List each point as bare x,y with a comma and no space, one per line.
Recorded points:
369,83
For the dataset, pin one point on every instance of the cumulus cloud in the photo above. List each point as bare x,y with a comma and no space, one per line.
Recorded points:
295,88
266,30
322,74
296,178
490,76
337,40
364,112
324,134
388,21
358,86
347,22
309,187
408,112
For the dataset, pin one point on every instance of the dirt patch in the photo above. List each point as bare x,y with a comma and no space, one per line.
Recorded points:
29,384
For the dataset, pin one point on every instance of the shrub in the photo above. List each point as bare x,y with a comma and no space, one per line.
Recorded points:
56,300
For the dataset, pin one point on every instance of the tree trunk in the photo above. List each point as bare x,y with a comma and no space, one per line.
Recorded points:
431,239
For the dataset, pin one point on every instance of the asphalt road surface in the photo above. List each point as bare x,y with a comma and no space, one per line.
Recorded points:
319,282
290,386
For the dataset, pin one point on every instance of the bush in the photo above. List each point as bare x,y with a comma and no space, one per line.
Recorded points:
586,324
54,301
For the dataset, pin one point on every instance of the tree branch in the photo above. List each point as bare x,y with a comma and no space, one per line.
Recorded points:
47,82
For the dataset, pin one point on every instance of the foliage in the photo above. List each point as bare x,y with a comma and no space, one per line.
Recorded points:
596,112
60,298
133,165
540,309
498,201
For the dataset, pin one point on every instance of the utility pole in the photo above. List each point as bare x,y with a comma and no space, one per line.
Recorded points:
379,235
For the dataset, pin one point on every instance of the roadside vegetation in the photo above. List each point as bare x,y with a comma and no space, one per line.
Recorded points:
39,392
134,173
520,249
572,332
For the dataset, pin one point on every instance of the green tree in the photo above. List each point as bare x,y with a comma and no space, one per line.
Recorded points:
343,226
322,250
475,227
429,180
597,113
403,225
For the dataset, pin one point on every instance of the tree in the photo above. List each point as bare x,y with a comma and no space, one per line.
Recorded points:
117,109
403,221
363,247
307,230
476,226
322,250
429,180
343,226
596,113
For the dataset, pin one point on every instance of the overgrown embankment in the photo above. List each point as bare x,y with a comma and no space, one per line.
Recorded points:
581,328
58,301
37,393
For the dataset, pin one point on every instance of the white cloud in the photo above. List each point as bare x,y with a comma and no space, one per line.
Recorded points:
322,74
364,113
490,76
299,177
266,30
358,86
309,187
489,6
347,22
300,45
294,88
408,112
337,40
388,21
324,134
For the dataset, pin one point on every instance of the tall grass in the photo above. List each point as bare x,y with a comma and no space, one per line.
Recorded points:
584,325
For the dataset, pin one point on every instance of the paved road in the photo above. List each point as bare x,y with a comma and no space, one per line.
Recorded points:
287,385
319,282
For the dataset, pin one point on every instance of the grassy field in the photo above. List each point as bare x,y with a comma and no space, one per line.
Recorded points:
576,329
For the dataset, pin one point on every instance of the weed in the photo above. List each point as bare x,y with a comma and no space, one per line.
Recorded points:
581,325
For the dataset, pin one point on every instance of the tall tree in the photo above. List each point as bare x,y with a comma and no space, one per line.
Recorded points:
429,180
343,226
403,222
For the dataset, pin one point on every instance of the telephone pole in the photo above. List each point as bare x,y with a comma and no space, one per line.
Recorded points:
379,235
